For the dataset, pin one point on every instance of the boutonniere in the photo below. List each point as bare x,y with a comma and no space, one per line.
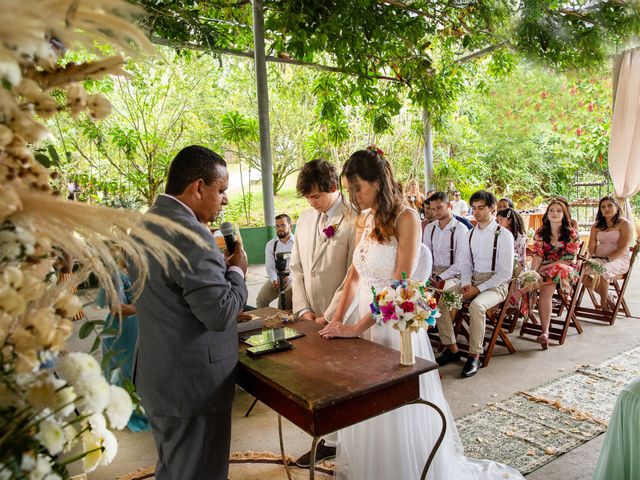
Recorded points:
330,231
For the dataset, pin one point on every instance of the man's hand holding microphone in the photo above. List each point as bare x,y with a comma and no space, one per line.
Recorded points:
237,257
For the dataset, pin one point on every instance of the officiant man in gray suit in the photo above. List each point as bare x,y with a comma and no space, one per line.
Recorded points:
188,343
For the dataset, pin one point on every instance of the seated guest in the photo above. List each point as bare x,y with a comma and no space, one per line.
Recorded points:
282,243
609,242
414,197
504,203
429,217
556,245
444,237
574,222
486,267
619,457
512,221
460,207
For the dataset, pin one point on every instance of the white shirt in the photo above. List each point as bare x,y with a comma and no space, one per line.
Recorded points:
270,258
441,244
333,209
232,268
482,246
460,208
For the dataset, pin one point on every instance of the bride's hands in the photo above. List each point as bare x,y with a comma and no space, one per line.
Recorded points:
338,329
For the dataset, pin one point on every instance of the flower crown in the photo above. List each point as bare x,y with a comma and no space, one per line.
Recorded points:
373,148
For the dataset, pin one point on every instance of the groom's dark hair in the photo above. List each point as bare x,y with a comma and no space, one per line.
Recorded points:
318,173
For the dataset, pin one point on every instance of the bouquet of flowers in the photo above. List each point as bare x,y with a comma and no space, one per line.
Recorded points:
406,304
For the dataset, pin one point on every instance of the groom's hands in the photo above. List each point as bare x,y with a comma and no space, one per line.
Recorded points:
308,315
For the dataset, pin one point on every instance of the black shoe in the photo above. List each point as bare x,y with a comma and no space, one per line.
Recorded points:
471,367
447,357
322,453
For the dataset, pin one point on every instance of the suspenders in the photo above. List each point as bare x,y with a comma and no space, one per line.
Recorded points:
495,248
451,249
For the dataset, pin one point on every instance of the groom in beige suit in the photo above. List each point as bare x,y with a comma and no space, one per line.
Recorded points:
321,256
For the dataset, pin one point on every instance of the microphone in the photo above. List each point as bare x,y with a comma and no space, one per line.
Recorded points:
229,236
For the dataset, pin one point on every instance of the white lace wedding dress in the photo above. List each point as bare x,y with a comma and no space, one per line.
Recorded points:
395,445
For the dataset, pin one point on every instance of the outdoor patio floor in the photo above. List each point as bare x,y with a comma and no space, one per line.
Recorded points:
506,375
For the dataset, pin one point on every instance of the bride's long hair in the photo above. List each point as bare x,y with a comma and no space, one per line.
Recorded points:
370,165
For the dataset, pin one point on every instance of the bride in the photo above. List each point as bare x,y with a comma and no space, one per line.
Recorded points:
394,445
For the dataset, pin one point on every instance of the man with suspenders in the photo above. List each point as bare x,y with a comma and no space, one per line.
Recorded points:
282,243
486,267
444,238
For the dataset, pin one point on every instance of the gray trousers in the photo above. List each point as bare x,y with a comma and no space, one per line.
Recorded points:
192,448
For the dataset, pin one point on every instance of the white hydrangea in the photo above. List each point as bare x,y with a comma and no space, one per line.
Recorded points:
51,436
119,408
76,364
93,393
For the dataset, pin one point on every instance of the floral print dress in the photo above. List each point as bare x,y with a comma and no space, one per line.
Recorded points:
564,274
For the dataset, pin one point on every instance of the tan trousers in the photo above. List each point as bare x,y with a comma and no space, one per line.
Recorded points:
268,294
477,310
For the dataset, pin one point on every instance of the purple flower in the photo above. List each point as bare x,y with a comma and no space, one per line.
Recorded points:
330,231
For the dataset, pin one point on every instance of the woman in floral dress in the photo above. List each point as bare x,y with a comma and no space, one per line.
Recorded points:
556,245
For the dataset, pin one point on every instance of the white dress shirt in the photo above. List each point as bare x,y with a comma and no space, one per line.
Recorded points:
460,208
482,246
333,209
441,245
270,258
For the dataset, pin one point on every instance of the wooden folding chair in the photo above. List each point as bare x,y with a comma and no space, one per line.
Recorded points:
559,327
494,333
618,286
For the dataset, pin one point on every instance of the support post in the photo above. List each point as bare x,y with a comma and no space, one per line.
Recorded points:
262,90
428,151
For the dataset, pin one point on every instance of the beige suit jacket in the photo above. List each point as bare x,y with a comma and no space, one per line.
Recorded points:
319,264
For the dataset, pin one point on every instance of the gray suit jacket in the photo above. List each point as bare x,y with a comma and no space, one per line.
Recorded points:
188,345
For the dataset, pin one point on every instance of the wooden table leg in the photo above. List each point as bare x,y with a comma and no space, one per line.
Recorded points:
284,458
436,446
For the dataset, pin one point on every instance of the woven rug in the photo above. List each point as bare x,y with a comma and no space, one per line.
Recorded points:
254,466
533,428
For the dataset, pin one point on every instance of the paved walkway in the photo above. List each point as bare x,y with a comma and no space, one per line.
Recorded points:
506,374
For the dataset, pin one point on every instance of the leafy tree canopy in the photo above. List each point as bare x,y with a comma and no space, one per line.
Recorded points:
427,47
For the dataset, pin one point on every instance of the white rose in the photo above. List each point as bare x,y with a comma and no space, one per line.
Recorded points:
75,364
42,468
110,445
51,436
93,393
93,451
119,408
98,423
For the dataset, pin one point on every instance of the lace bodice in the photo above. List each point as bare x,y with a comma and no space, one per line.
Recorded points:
376,262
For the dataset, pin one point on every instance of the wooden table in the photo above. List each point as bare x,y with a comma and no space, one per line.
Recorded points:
325,385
